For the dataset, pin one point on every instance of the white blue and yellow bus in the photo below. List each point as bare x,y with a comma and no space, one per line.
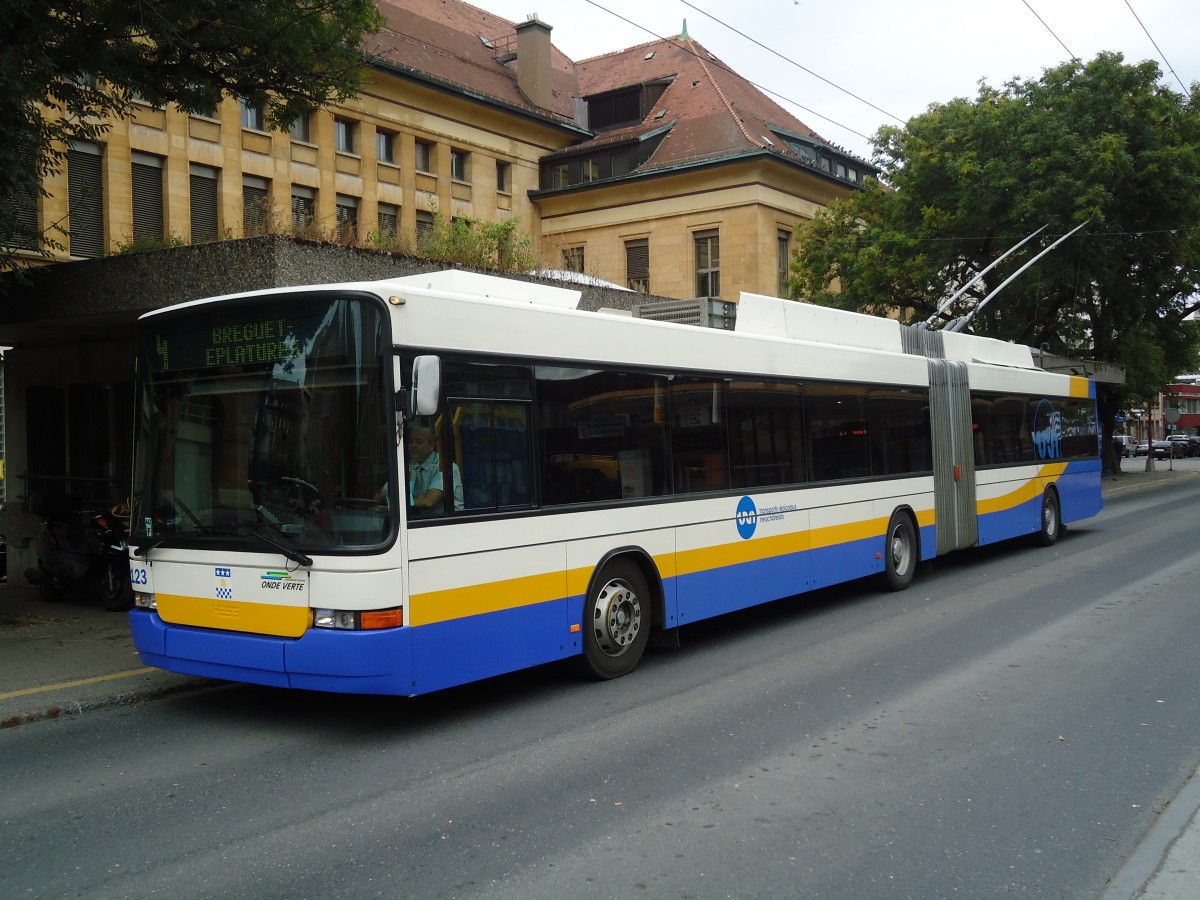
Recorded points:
593,481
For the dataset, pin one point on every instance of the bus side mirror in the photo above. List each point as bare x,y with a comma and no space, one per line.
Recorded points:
426,386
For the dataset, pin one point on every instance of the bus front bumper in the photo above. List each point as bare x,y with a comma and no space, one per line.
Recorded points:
353,662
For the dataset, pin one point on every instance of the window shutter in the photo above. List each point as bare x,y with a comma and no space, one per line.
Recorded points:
26,235
204,204
85,196
637,265
255,192
146,172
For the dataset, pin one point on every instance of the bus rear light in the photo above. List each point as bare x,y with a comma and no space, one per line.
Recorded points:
145,601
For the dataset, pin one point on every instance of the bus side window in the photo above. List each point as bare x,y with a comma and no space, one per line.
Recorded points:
491,448
838,433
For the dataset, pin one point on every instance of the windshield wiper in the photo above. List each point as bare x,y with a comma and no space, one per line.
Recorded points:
294,555
143,549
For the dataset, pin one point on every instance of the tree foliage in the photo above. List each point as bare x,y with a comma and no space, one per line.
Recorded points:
69,67
1103,143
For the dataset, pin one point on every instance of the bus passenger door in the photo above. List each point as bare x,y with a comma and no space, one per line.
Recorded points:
953,456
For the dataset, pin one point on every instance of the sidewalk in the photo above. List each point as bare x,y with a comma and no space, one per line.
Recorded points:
64,659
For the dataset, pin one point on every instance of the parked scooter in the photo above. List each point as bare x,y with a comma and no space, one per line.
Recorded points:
81,549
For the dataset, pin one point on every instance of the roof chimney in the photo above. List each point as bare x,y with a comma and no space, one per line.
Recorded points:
533,61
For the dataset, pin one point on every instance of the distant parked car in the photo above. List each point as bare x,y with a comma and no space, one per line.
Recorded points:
1123,444
1184,444
1162,449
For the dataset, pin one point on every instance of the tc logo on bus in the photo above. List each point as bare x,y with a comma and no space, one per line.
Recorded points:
1047,430
747,518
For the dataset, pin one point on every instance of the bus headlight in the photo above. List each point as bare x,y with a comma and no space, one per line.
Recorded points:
143,600
335,618
352,620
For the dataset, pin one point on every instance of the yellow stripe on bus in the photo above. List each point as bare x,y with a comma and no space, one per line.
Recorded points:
475,599
228,615
1028,491
440,606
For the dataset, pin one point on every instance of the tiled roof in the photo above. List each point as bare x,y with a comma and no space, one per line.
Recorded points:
441,39
716,112
712,112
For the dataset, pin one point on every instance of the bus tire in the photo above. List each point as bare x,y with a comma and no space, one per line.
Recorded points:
617,620
1051,526
900,552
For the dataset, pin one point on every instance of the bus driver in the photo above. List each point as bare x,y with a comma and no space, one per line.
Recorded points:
425,475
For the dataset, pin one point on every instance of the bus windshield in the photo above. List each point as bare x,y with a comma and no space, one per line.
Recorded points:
264,418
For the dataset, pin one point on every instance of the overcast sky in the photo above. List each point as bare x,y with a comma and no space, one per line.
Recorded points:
895,56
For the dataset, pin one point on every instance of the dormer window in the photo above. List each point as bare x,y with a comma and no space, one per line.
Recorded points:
624,107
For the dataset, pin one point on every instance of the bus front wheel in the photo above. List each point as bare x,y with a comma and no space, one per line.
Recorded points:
616,620
1051,520
900,553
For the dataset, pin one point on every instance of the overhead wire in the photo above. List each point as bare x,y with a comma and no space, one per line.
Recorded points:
786,59
1187,90
1074,58
846,91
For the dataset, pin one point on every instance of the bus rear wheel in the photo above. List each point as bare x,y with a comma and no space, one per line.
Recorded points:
900,553
1051,521
617,620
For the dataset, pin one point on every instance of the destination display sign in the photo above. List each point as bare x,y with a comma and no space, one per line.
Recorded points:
258,334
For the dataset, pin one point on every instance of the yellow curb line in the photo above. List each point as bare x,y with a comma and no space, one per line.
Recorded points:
71,684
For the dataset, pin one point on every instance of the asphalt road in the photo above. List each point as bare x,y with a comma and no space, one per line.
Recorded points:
1011,725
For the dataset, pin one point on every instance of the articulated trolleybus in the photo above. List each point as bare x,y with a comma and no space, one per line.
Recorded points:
400,486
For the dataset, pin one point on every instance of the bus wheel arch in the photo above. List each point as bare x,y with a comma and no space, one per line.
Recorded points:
902,550
623,604
1050,524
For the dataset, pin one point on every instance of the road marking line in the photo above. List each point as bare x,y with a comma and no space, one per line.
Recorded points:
71,684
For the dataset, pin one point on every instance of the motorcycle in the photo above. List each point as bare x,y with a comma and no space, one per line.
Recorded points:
81,549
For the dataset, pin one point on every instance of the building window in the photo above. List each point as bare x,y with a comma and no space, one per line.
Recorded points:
424,157
304,207
203,184
253,115
25,234
301,129
385,146
389,220
503,175
424,226
85,198
589,170
783,261
256,206
202,109
637,265
458,165
708,264
573,259
347,218
560,176
343,135
146,181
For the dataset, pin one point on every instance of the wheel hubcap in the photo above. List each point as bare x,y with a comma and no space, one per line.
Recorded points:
900,551
617,617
